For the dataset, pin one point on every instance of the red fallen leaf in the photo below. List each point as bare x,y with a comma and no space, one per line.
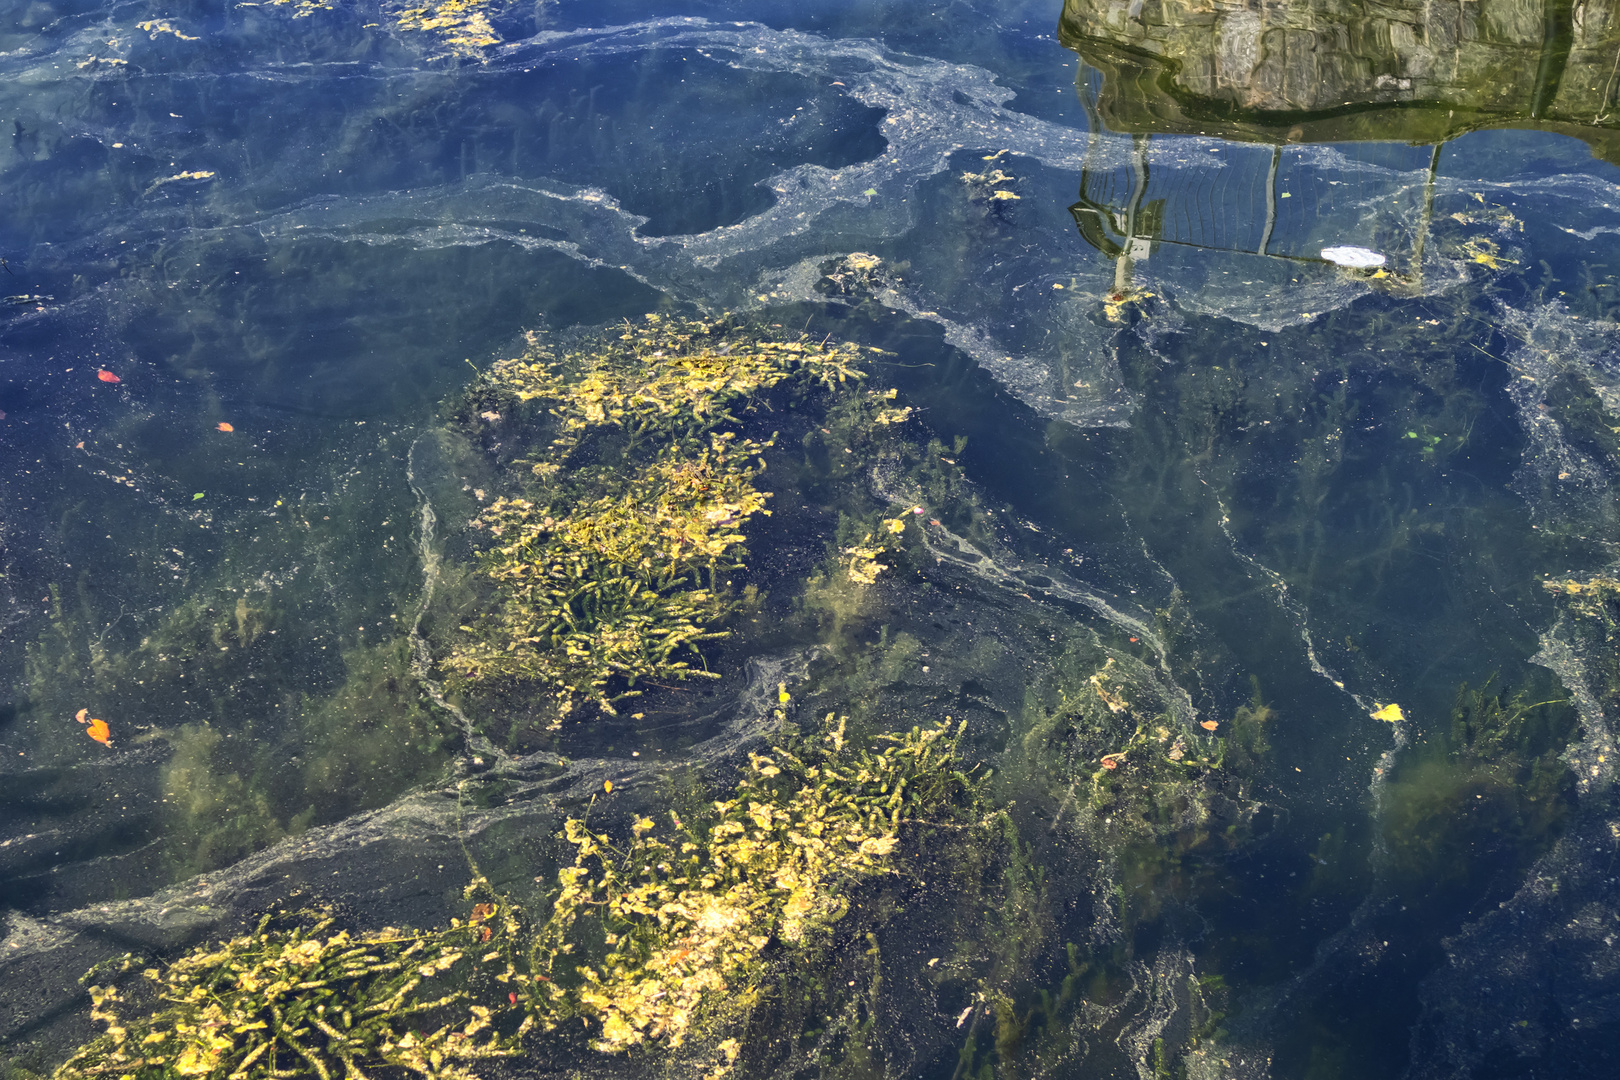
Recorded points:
81,716
511,995
1111,761
108,377
99,731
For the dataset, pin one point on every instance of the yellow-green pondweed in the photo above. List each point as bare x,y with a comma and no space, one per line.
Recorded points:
301,1002
687,915
607,563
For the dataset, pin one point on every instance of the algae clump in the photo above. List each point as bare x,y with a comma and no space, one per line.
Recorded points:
292,1002
686,919
606,565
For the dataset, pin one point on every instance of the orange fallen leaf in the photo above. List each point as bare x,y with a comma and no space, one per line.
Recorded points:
1111,761
485,933
108,377
482,911
223,426
78,446
81,715
99,731
1210,725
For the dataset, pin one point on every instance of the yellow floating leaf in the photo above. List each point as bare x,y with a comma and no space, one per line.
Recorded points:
1390,712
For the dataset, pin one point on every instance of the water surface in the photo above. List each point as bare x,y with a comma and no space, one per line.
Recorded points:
1181,439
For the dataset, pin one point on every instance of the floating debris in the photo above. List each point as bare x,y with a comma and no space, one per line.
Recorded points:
1354,258
195,174
96,729
154,27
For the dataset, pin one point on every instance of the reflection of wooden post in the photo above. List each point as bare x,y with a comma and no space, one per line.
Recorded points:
1428,214
1131,250
1557,36
1271,199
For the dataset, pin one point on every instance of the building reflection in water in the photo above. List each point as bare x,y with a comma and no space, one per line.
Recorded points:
1327,120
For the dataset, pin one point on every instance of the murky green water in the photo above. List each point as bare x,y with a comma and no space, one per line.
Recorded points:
1253,372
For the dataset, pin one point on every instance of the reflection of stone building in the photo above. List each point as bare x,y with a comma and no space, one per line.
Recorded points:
1415,70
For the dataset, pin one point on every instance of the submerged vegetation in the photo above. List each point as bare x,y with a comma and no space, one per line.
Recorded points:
301,1000
689,919
608,564
670,937
1146,772
628,470
1486,795
270,729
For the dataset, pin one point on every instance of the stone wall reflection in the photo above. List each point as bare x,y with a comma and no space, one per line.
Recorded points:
1547,59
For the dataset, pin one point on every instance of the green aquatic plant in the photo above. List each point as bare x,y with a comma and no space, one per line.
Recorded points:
1116,741
1494,781
686,920
228,789
302,1001
213,813
625,585
676,376
861,559
225,678
302,9
1154,792
607,565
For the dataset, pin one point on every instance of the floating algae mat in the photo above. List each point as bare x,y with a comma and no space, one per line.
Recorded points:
786,540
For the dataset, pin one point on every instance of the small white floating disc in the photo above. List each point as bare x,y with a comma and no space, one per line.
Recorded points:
1357,258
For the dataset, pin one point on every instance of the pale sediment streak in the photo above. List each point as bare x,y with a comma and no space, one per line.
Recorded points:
1010,576
477,745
